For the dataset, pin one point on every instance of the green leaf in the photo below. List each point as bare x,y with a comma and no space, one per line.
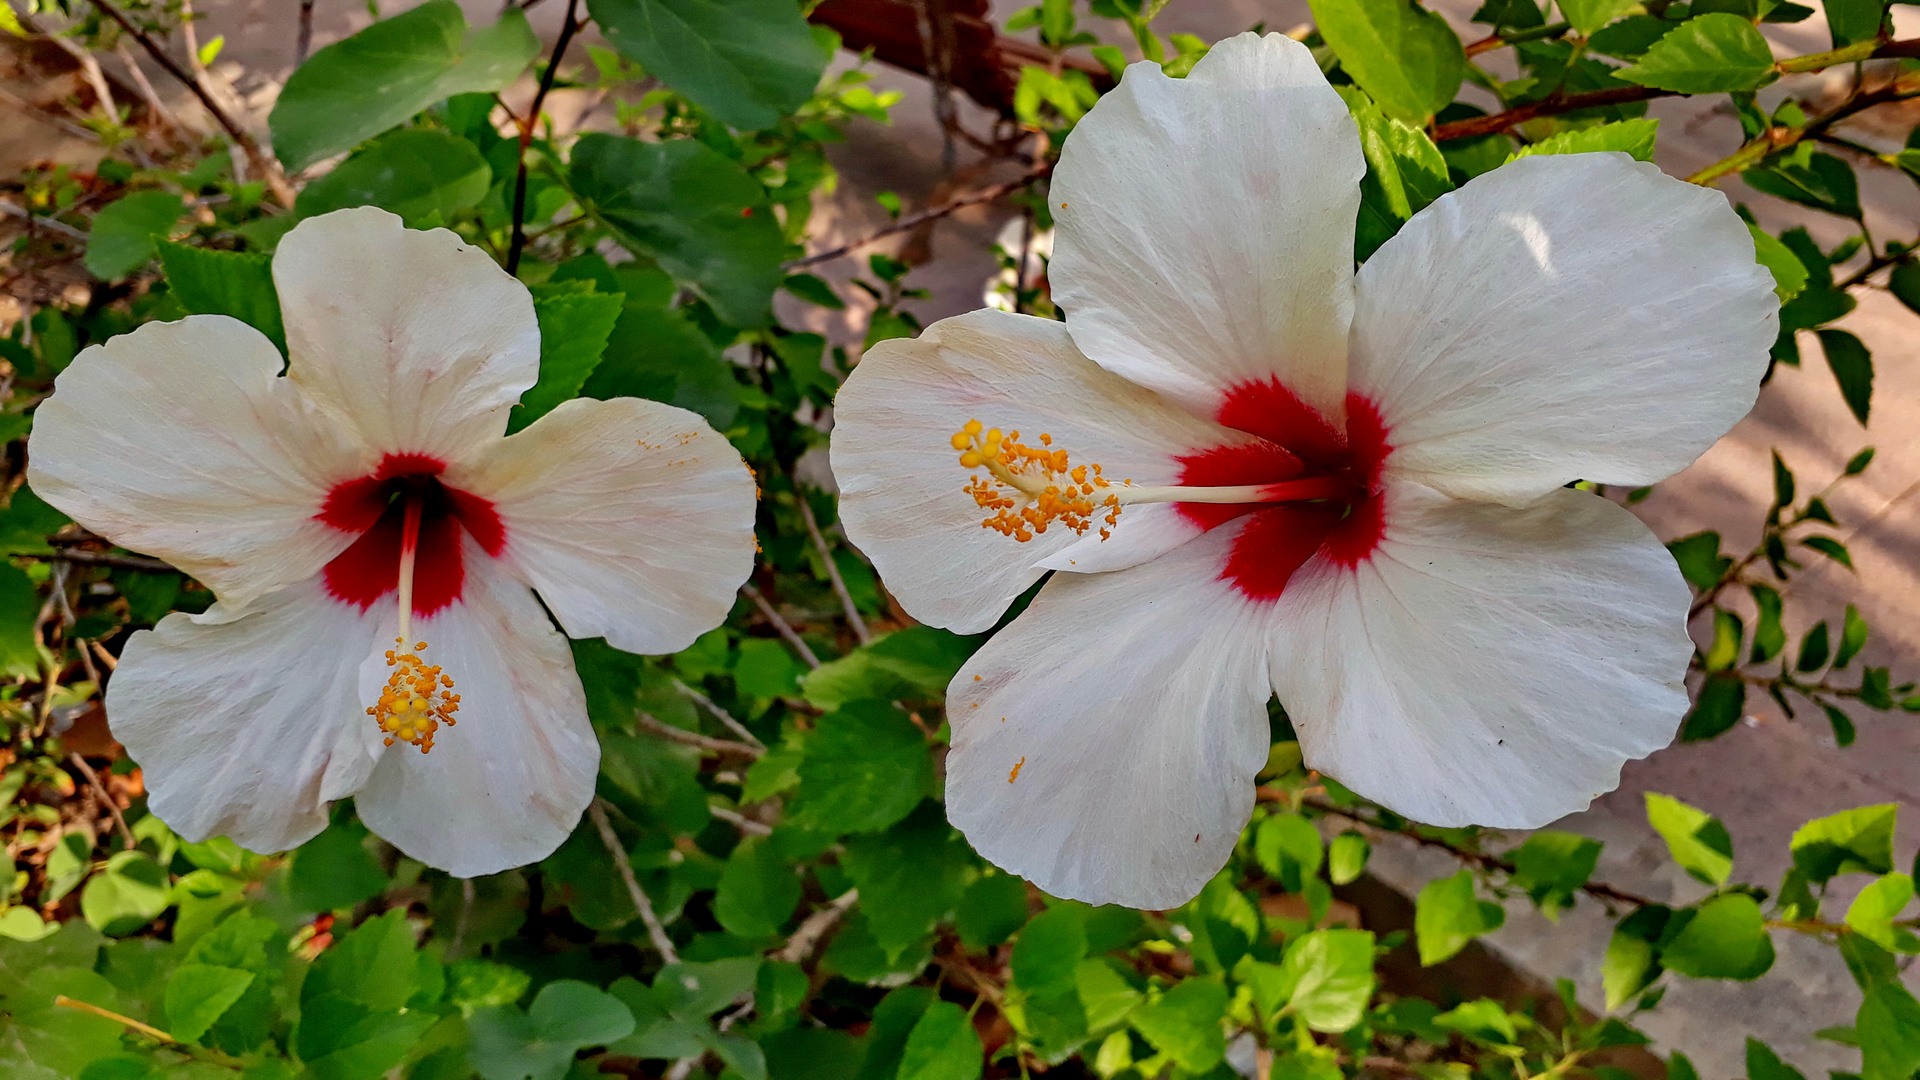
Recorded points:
1904,282
1813,649
361,86
1888,1028
1769,637
1700,560
198,993
1726,938
991,910
1831,548
127,230
943,1046
916,663
1819,180
657,352
211,282
1723,700
1327,978
1404,56
1853,841
1873,911
1185,1024
374,966
1853,638
1447,915
539,1044
1854,20
476,984
1633,137
1842,724
1707,54
1764,1064
909,877
1696,839
749,62
695,991
19,602
1484,1021
420,174
1347,857
574,327
1586,16
130,892
1782,482
866,767
1789,273
1288,847
335,870
1552,866
696,213
1049,949
1852,367
1632,963
757,890
1405,172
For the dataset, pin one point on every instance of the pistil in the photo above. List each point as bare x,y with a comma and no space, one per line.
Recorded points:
418,696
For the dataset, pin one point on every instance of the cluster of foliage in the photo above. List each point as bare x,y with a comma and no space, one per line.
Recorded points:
767,885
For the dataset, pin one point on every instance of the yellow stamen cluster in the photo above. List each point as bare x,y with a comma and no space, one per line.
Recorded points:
1028,488
418,698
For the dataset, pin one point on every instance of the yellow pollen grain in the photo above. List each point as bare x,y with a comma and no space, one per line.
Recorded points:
1028,489
417,699
1017,766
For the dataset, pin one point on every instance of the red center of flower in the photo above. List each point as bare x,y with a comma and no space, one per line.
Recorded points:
375,508
1299,442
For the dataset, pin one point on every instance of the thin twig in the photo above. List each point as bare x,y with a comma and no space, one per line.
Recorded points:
741,821
303,38
519,241
807,937
694,738
147,93
151,1032
921,217
60,227
719,714
266,167
93,781
108,558
785,628
662,944
467,897
833,571
95,78
1484,861
1551,105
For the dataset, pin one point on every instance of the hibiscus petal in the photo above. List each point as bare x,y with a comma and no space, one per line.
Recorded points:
1563,317
1205,227
1488,665
633,519
420,341
248,726
902,494
1105,742
507,783
181,440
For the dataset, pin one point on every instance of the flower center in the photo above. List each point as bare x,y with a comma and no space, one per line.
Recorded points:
418,696
1026,489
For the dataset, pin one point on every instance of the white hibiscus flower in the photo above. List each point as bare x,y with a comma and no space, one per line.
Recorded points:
367,497
1345,489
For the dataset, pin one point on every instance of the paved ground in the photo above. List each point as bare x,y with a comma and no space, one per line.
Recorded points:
1765,777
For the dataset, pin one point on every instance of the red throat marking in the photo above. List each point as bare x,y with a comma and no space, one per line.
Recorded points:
1296,443
375,507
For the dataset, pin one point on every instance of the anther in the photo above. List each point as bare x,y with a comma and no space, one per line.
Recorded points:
1029,489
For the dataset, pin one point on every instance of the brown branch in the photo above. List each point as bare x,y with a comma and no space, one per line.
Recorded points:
1479,859
839,583
921,217
519,241
266,167
662,944
108,558
694,738
303,39
784,627
99,789
1551,105
802,943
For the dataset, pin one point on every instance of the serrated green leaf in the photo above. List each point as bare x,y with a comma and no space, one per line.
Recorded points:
573,336
129,892
1404,56
1853,841
198,993
865,767
749,62
1789,273
1888,1029
1447,915
418,173
1726,938
1696,839
757,891
943,1046
1873,912
539,1044
125,233
1184,1024
210,282
1708,54
1634,137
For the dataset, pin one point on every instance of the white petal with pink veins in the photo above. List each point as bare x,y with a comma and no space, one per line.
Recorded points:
902,494
1107,749
181,440
248,726
1488,665
1579,316
418,340
1204,227
633,519
507,783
